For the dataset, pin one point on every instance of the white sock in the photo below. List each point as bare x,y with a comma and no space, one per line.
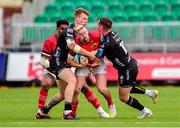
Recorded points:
148,92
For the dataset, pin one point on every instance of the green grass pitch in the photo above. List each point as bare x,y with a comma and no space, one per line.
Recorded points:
19,105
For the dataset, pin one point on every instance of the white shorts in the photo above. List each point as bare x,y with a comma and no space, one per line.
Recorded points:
86,70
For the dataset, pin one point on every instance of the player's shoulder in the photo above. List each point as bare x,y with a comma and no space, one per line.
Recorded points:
95,34
69,29
113,33
50,38
68,32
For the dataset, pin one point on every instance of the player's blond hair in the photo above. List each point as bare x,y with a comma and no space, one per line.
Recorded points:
77,28
78,11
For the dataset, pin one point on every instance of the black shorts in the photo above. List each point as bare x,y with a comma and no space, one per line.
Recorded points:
52,73
57,68
127,75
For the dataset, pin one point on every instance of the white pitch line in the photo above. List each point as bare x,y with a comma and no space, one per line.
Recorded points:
93,122
90,127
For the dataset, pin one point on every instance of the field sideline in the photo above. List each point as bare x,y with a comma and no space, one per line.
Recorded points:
18,107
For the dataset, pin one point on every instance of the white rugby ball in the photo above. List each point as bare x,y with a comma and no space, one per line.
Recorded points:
78,58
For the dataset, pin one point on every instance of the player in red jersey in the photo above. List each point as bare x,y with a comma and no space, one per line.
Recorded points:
49,78
90,41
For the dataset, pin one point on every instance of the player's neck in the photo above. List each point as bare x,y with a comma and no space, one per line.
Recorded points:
57,34
105,32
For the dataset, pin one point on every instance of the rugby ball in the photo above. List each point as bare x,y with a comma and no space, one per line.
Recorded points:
78,58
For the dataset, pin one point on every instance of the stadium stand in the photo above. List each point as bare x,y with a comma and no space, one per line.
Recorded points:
154,20
159,9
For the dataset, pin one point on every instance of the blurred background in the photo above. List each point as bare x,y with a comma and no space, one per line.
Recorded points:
150,29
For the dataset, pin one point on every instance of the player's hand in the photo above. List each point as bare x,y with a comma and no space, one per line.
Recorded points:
94,65
44,62
84,61
91,56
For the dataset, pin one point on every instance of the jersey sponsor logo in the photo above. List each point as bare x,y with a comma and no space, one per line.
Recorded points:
94,45
100,52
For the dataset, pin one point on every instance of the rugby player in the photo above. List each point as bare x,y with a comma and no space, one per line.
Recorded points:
65,44
48,78
114,49
90,40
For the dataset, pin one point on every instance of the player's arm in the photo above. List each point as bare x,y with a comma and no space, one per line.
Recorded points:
77,49
45,55
44,60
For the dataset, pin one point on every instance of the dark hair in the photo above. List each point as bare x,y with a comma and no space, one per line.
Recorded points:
60,22
106,22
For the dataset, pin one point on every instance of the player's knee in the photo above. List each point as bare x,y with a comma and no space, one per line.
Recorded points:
101,90
72,81
77,91
59,97
84,89
123,98
47,83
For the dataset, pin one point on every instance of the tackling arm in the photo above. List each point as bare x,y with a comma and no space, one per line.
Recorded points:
77,49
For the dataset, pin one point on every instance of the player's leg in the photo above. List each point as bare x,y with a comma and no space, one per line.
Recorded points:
91,78
57,98
127,79
91,97
101,84
47,81
79,85
67,75
133,102
81,75
102,88
151,93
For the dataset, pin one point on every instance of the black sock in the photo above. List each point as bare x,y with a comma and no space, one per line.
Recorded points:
45,109
51,104
67,106
137,90
135,103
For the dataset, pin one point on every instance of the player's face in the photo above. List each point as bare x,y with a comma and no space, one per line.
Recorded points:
61,28
83,35
82,19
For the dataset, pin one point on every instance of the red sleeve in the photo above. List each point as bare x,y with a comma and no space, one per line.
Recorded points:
47,46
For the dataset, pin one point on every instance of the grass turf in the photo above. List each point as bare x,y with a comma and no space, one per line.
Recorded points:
19,105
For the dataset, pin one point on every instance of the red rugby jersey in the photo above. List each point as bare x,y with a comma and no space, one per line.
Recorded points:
49,46
93,44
